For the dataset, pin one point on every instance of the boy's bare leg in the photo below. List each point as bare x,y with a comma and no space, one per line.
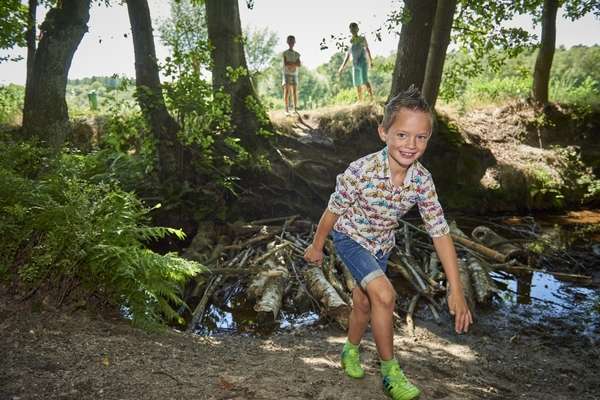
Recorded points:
295,94
286,95
360,315
359,92
369,89
383,300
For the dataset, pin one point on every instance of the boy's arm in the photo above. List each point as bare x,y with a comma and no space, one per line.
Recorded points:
344,63
314,252
456,301
369,54
291,63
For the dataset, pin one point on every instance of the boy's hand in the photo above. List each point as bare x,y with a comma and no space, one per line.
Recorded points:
312,255
462,315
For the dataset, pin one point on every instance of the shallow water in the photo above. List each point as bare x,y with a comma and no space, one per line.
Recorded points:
549,296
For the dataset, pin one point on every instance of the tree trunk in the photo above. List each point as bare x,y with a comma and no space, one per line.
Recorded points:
413,46
225,34
173,157
45,114
543,62
440,39
30,38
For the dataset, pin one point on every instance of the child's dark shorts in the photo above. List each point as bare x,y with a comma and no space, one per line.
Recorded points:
364,266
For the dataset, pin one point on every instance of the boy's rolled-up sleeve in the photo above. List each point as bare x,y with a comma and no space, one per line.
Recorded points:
344,195
431,210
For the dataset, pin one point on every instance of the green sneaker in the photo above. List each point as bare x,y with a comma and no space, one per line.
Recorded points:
351,364
397,386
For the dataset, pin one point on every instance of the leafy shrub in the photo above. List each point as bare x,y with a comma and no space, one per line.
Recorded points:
11,103
62,229
564,90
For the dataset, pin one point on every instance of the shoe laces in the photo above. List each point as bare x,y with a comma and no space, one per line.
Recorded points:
396,374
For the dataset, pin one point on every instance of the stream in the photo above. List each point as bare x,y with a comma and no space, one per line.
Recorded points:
574,249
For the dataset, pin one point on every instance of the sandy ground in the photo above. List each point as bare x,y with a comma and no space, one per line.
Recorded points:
512,351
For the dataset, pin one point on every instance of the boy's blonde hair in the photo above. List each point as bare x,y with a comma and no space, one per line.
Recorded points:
410,99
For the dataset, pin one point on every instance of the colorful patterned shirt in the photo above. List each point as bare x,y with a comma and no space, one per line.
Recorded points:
369,205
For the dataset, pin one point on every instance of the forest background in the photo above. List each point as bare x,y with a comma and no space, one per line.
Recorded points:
78,213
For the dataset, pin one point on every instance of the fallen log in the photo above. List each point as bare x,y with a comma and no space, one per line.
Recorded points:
256,286
269,302
347,276
479,248
329,270
492,240
484,287
322,290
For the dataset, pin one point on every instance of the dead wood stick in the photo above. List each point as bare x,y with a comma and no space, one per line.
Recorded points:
425,293
255,239
270,252
414,273
296,241
409,315
408,260
510,266
210,289
212,286
479,248
290,219
242,271
434,270
434,310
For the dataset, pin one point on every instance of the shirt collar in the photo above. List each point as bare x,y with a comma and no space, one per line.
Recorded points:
386,168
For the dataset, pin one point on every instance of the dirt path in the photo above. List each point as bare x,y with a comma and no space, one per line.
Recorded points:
511,352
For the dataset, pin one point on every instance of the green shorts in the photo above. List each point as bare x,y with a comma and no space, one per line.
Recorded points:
360,75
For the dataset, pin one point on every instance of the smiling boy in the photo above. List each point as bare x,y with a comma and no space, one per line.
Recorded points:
363,233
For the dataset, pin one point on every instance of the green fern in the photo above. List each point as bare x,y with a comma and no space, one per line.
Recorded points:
61,227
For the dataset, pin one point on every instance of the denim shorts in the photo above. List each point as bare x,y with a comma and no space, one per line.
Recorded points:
364,266
290,79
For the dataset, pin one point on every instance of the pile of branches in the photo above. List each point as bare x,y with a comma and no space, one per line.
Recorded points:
268,254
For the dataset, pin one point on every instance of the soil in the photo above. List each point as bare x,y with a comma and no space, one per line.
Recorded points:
512,351
540,350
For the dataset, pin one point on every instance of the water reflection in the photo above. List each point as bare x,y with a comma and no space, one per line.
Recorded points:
570,251
238,318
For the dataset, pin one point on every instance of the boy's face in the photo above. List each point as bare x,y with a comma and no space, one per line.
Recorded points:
407,137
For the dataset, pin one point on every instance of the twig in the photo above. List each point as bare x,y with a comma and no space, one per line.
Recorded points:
409,315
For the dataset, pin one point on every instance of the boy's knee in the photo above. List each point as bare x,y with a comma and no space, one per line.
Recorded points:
387,299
